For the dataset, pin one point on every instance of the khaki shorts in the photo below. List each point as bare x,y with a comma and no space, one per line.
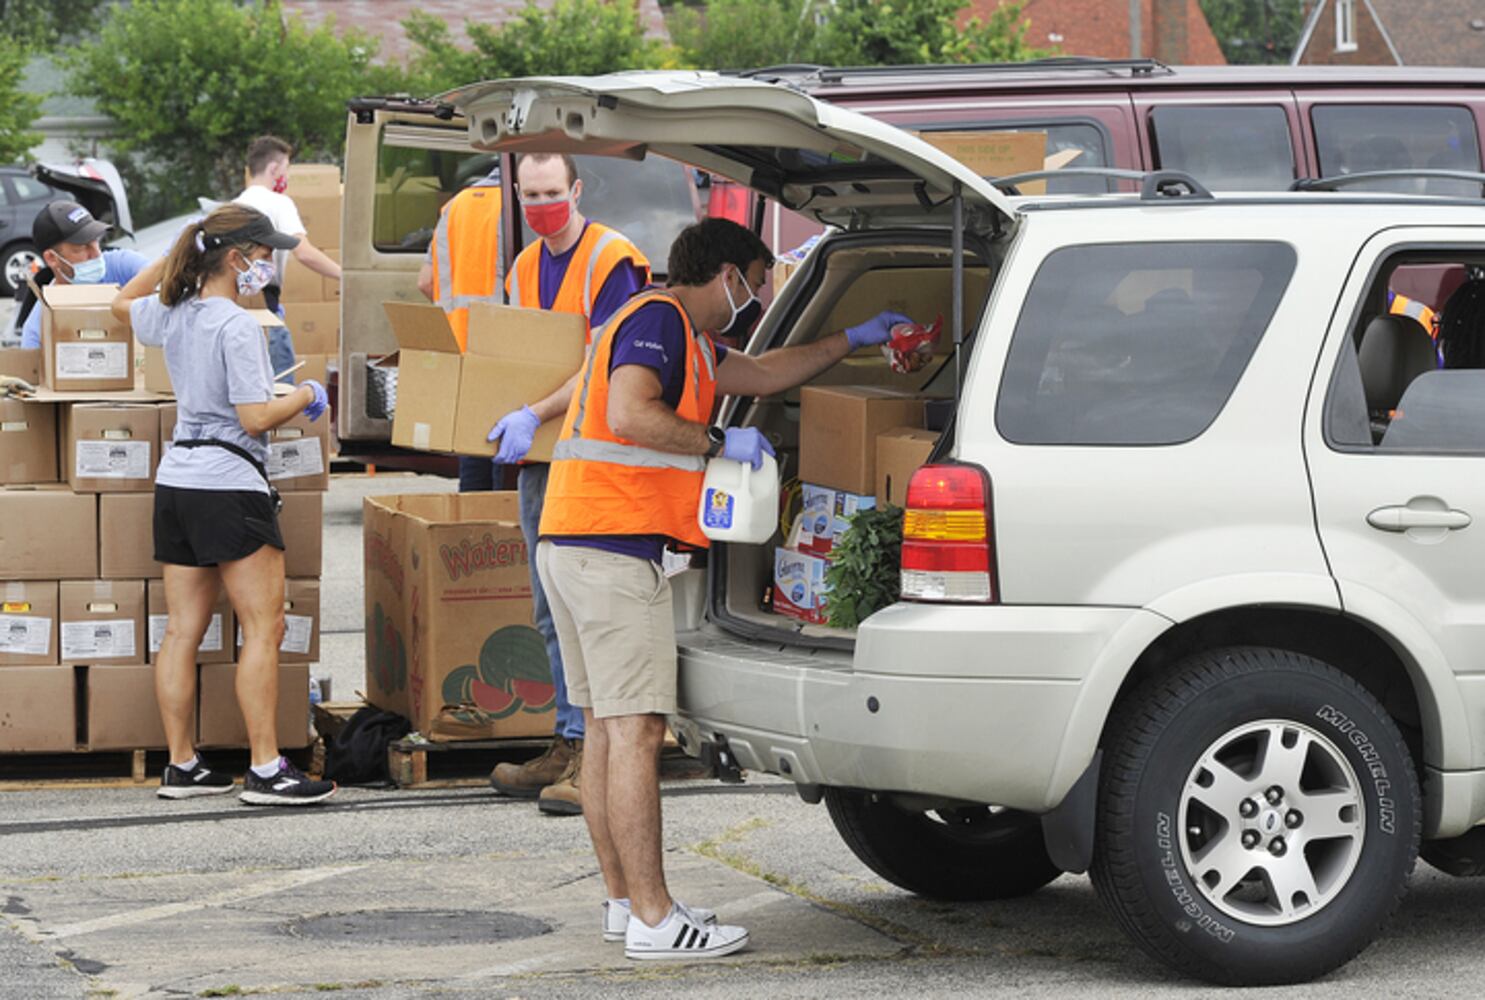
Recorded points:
616,629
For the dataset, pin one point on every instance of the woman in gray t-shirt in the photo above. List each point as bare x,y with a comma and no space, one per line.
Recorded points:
216,516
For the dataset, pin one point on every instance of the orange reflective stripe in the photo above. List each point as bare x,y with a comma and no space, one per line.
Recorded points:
465,255
602,484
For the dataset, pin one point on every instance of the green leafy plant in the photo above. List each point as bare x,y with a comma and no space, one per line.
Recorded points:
864,567
18,109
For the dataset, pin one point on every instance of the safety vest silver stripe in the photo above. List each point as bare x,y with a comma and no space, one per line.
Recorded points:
615,453
1414,308
465,301
445,266
603,241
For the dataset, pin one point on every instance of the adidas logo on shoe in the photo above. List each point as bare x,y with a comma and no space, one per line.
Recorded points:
681,936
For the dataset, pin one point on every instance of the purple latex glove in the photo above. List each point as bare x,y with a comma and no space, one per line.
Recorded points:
746,444
315,406
515,431
877,330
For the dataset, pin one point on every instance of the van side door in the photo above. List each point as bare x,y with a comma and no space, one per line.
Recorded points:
1237,140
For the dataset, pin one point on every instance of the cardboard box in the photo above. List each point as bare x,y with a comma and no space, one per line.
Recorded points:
23,363
102,621
304,285
320,213
111,447
123,712
84,347
315,326
299,454
901,452
515,357
219,719
314,178
167,426
449,636
28,443
38,710
799,586
838,428
50,533
317,367
126,537
923,293
825,516
301,642
28,624
216,644
301,523
995,153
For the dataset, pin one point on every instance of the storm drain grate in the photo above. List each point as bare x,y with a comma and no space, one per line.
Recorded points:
419,927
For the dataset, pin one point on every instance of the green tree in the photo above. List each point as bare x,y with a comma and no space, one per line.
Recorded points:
1255,31
740,34
898,32
191,82
41,24
571,37
18,109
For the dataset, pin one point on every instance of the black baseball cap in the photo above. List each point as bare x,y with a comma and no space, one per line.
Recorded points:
258,230
65,222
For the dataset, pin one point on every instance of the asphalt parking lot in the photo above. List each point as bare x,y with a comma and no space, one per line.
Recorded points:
109,892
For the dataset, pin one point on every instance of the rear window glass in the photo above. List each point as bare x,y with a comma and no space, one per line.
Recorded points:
1226,147
1066,144
1355,138
1137,343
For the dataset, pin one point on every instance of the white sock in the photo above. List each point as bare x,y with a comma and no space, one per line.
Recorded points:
267,770
188,765
619,902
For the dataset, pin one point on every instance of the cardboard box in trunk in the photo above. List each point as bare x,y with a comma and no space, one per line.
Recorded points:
22,362
102,621
28,624
38,710
216,644
301,523
126,537
299,454
123,712
50,533
301,642
515,357
84,347
901,452
111,447
838,428
314,326
219,718
157,374
449,636
28,443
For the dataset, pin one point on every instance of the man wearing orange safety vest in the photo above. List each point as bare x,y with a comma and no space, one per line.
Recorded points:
581,267
464,266
625,482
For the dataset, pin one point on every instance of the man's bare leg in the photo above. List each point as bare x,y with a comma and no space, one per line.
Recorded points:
632,810
595,804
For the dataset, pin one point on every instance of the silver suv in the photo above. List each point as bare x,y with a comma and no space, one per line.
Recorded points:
1191,594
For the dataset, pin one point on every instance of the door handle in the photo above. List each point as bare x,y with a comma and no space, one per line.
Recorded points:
1403,518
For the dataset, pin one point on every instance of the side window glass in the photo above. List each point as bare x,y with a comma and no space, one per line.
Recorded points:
1226,147
5,199
1355,138
1137,343
413,183
1064,144
31,189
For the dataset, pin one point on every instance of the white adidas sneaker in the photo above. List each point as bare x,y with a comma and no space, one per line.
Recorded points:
681,937
616,918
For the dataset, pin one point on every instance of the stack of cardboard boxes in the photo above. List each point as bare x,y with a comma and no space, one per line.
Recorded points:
82,605
311,302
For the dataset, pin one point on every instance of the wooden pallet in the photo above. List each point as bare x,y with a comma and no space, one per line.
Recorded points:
115,768
468,763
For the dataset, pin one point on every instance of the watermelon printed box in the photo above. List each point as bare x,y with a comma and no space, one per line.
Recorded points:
450,640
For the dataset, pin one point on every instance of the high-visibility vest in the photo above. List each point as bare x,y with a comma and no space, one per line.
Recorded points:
599,250
1404,306
601,484
466,254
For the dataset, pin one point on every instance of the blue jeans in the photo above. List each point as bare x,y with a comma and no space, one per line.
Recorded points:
479,475
533,490
281,352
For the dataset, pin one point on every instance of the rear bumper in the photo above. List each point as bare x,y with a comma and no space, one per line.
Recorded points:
973,703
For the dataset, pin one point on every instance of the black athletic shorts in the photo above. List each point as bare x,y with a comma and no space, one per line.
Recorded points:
208,527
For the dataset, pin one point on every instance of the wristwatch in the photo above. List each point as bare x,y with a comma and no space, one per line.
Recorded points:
718,437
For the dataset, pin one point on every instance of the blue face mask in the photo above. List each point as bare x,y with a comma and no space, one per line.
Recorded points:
86,272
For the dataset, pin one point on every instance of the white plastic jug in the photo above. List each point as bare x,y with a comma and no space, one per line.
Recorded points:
739,504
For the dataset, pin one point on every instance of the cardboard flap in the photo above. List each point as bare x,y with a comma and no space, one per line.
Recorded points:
421,327
530,336
70,296
265,318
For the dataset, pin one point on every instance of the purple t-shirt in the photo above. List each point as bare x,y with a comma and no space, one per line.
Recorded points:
653,336
622,282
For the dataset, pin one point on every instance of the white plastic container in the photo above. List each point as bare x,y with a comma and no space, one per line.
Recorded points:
739,504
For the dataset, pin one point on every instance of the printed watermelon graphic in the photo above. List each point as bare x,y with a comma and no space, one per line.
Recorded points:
513,675
388,654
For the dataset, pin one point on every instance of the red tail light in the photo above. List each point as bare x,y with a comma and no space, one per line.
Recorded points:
947,548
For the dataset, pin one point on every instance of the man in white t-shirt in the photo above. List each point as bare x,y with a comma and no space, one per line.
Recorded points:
268,177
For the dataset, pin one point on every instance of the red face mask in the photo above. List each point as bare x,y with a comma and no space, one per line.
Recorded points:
548,218
281,184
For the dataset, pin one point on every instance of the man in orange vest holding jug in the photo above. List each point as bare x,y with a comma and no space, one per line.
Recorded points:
625,482
583,267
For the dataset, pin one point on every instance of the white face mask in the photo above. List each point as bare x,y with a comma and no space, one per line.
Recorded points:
738,307
258,276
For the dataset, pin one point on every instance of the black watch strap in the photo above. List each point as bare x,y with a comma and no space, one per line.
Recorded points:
718,437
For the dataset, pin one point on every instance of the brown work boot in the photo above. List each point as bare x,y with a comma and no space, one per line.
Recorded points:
525,781
563,797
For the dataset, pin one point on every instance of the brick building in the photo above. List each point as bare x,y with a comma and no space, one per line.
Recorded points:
1173,31
1392,33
